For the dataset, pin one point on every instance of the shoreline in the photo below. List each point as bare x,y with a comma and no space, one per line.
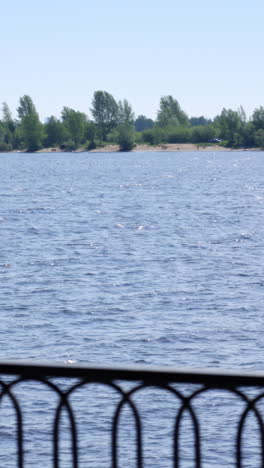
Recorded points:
164,148
169,147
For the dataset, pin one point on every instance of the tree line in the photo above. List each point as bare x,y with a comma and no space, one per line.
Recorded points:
114,122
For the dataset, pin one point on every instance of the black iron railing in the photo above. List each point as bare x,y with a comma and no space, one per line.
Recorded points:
149,417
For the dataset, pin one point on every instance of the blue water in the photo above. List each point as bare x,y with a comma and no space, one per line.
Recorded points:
149,258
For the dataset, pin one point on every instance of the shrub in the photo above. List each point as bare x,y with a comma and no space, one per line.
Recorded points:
148,137
68,145
259,138
179,135
91,145
125,138
5,147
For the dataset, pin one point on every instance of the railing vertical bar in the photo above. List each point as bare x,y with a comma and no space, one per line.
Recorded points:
20,450
116,416
19,423
65,403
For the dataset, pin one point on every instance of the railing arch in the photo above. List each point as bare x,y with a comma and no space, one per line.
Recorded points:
127,383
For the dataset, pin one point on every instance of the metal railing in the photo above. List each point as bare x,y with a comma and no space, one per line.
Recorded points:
195,397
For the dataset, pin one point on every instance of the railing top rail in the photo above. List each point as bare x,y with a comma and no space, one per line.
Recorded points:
147,374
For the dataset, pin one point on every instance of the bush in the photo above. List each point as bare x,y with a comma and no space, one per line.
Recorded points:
112,136
125,138
223,143
160,136
91,145
148,136
5,147
202,134
68,145
154,136
179,135
138,137
259,138
100,143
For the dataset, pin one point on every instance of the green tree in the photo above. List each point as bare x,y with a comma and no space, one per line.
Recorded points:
26,106
75,123
143,123
258,118
198,121
90,135
105,113
8,124
31,132
248,135
170,113
126,115
7,117
30,129
231,125
54,132
259,138
4,145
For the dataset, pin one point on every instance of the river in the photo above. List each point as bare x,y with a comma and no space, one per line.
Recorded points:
122,258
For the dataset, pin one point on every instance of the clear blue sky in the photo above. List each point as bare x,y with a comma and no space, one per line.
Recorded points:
208,54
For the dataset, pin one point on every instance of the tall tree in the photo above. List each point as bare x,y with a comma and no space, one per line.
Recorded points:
259,138
258,118
30,129
54,132
4,144
26,106
170,113
31,132
126,115
231,125
8,124
7,116
105,112
198,121
75,123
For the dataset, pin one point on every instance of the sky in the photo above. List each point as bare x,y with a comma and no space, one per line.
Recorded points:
207,54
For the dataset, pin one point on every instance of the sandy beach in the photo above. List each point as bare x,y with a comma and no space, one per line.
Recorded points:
138,148
164,148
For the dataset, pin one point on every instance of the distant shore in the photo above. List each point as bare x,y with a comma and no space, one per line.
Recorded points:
163,148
